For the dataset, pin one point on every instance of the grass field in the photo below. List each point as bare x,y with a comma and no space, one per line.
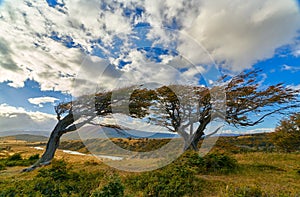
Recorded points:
258,173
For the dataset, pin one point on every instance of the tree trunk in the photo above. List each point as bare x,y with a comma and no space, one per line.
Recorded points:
52,143
191,143
51,147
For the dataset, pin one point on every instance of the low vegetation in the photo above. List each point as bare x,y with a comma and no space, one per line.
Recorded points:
17,160
216,174
238,166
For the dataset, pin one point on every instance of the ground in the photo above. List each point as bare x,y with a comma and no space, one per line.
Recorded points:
273,173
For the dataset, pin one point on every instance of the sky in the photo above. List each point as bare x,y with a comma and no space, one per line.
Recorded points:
52,51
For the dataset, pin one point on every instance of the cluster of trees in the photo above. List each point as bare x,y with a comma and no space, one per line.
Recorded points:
287,135
187,110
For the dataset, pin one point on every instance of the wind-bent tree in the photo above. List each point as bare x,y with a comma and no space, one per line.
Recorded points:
187,110
179,108
73,115
247,104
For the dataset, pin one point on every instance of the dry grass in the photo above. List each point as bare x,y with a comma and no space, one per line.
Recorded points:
274,174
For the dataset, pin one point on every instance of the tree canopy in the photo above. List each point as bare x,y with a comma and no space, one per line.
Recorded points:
287,134
240,101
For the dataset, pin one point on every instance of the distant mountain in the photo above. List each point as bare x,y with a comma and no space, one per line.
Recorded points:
228,135
12,133
91,132
26,137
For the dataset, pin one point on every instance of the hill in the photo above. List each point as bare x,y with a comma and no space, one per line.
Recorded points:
228,144
20,132
25,137
92,132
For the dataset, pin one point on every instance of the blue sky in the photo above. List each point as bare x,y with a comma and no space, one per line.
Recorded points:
51,50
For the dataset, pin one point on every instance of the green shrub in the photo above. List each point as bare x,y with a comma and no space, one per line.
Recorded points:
211,163
55,180
172,180
34,157
248,191
17,160
15,157
113,189
57,172
2,166
219,163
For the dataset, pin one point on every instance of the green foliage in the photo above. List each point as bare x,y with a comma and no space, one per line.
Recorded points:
287,134
2,166
57,172
114,188
172,180
219,163
211,163
15,157
17,160
34,157
252,191
55,180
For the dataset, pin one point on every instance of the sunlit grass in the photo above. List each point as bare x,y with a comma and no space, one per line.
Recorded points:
257,174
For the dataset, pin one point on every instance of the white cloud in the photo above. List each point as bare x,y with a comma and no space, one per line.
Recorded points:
251,131
241,33
18,119
236,33
290,68
41,100
28,50
296,50
295,87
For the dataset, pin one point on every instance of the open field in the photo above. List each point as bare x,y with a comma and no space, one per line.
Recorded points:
258,173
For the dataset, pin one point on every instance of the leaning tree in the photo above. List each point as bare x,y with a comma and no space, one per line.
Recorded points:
85,109
188,110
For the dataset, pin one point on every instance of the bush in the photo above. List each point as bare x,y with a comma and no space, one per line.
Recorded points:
244,192
211,163
55,180
219,163
113,189
57,172
17,160
15,157
2,166
287,134
34,157
172,180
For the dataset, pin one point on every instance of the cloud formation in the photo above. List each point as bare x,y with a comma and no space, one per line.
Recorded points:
241,33
41,100
18,119
290,68
48,44
249,131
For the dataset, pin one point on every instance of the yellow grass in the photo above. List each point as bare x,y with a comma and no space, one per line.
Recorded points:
272,173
